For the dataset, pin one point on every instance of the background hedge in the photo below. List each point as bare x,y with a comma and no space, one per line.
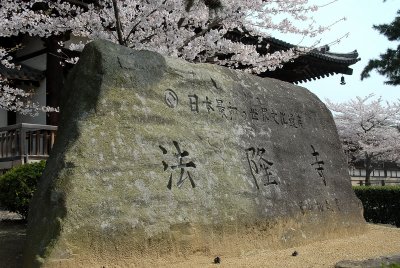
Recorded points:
381,203
18,185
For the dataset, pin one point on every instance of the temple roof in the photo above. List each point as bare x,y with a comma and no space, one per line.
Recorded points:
24,73
316,64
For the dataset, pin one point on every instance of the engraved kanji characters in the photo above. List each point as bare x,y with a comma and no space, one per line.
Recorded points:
194,103
221,107
292,122
256,112
265,115
233,111
318,165
259,166
283,118
275,117
181,165
208,105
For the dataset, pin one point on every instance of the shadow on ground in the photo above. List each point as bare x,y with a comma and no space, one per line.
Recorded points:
12,241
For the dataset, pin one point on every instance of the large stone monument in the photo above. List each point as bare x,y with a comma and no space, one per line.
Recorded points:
158,157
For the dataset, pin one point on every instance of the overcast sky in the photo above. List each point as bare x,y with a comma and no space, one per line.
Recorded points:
360,16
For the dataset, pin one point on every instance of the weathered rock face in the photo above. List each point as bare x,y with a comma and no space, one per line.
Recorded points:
156,156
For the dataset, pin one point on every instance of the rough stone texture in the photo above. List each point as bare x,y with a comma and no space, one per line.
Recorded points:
158,157
385,261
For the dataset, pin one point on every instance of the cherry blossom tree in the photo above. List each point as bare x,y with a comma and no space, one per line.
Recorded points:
369,130
195,30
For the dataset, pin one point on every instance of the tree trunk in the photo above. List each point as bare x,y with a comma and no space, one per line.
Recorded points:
368,170
118,24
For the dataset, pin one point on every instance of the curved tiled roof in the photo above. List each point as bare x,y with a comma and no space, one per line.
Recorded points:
314,64
24,73
322,53
348,58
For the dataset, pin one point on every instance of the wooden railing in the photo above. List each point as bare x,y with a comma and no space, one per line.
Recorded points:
377,182
23,142
392,172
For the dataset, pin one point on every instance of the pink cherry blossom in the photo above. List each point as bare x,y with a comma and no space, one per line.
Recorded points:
192,30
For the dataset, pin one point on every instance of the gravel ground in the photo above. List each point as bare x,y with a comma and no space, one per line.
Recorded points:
378,241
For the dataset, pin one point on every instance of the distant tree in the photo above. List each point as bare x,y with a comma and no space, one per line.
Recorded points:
194,30
369,130
389,62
